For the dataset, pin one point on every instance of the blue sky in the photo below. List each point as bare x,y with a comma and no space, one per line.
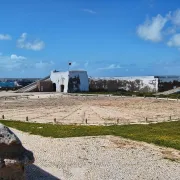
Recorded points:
104,37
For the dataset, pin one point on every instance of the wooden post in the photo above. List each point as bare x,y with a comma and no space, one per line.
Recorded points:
170,118
2,116
86,121
55,120
27,118
117,120
146,119
177,99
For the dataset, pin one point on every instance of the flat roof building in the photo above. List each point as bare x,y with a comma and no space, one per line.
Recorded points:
70,81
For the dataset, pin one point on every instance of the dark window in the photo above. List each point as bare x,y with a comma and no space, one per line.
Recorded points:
62,88
54,87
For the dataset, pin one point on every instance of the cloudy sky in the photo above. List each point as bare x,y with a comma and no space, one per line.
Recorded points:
104,37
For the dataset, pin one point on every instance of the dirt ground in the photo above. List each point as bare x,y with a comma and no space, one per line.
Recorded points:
66,109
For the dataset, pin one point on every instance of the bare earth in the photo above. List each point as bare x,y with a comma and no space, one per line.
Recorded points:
98,158
93,158
45,107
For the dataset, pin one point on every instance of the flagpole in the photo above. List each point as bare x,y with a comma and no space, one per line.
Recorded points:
69,64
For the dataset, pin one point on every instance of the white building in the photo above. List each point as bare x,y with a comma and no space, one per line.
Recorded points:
70,81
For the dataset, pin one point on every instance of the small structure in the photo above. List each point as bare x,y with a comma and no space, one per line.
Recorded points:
70,81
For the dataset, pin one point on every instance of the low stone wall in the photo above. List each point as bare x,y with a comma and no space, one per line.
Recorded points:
13,156
45,86
139,84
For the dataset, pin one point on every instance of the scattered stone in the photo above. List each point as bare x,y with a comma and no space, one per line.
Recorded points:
40,127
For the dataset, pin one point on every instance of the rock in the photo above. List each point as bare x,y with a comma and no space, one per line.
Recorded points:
13,156
2,163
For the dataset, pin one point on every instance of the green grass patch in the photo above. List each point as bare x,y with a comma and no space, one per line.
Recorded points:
162,134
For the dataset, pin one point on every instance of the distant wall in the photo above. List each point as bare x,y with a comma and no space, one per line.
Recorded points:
142,84
166,83
45,86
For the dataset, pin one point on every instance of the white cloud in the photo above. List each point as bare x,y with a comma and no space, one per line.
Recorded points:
112,66
170,30
89,11
21,63
9,64
174,41
5,37
15,57
35,45
175,18
42,65
152,29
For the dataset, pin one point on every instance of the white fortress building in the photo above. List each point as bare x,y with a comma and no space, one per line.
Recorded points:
70,81
78,81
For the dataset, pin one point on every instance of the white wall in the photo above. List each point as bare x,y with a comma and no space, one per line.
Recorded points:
60,78
146,81
149,81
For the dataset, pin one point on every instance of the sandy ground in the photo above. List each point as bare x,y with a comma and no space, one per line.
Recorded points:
66,109
98,158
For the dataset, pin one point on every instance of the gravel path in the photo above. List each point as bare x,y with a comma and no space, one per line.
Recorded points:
97,158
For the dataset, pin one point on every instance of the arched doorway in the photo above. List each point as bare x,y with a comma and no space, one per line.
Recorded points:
62,88
54,87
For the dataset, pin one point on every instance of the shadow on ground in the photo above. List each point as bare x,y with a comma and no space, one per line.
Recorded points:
35,173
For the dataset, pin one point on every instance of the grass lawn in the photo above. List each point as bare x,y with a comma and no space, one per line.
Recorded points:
162,134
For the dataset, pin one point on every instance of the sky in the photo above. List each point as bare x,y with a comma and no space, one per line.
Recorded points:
104,37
